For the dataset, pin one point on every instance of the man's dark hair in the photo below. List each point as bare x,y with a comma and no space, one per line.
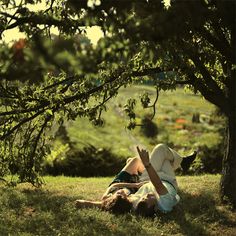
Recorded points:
143,209
117,205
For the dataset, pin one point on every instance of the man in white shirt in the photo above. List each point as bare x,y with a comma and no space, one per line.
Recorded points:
161,192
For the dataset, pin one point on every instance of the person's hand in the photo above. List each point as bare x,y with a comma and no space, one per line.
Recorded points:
79,203
123,192
144,156
140,184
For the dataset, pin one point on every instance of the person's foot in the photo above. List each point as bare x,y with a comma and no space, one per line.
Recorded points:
187,161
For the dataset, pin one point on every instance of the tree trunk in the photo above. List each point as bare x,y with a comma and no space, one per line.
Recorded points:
228,179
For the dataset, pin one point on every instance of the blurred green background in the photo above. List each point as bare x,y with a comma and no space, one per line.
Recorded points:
183,120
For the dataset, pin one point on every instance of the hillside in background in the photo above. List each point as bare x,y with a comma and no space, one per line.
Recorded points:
175,110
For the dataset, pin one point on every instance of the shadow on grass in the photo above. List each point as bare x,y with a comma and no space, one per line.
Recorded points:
42,212
195,213
36,211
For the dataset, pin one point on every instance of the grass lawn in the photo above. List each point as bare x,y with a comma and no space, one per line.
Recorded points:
25,210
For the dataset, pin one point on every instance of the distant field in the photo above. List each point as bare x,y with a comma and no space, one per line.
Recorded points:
50,210
173,117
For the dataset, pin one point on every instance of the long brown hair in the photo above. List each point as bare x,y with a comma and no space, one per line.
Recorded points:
143,209
117,205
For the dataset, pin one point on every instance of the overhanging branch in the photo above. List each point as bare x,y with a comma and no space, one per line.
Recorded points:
35,19
9,132
153,106
219,45
212,97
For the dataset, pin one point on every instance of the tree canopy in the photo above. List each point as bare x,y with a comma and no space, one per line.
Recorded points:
46,78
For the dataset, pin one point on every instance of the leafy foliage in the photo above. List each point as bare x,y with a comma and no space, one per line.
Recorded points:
210,160
67,159
88,162
42,80
148,127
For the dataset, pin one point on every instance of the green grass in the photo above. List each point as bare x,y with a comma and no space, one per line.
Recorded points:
50,210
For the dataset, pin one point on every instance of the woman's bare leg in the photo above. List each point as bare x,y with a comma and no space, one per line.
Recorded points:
134,166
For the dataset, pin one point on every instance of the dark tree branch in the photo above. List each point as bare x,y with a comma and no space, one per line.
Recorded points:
65,101
39,135
43,106
13,16
153,106
13,112
27,135
154,71
211,85
35,20
2,179
198,84
221,35
149,71
208,94
68,80
50,7
20,124
221,46
206,75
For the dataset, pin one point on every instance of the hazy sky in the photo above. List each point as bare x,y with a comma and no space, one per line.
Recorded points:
93,33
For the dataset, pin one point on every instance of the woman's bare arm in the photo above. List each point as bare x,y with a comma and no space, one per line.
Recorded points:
120,185
87,204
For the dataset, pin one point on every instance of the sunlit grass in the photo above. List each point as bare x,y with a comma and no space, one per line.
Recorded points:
50,210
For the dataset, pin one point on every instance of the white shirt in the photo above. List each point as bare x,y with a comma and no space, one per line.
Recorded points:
165,203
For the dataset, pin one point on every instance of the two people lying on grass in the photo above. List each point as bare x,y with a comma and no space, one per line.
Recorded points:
145,185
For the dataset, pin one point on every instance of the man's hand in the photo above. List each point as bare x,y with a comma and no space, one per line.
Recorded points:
144,156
